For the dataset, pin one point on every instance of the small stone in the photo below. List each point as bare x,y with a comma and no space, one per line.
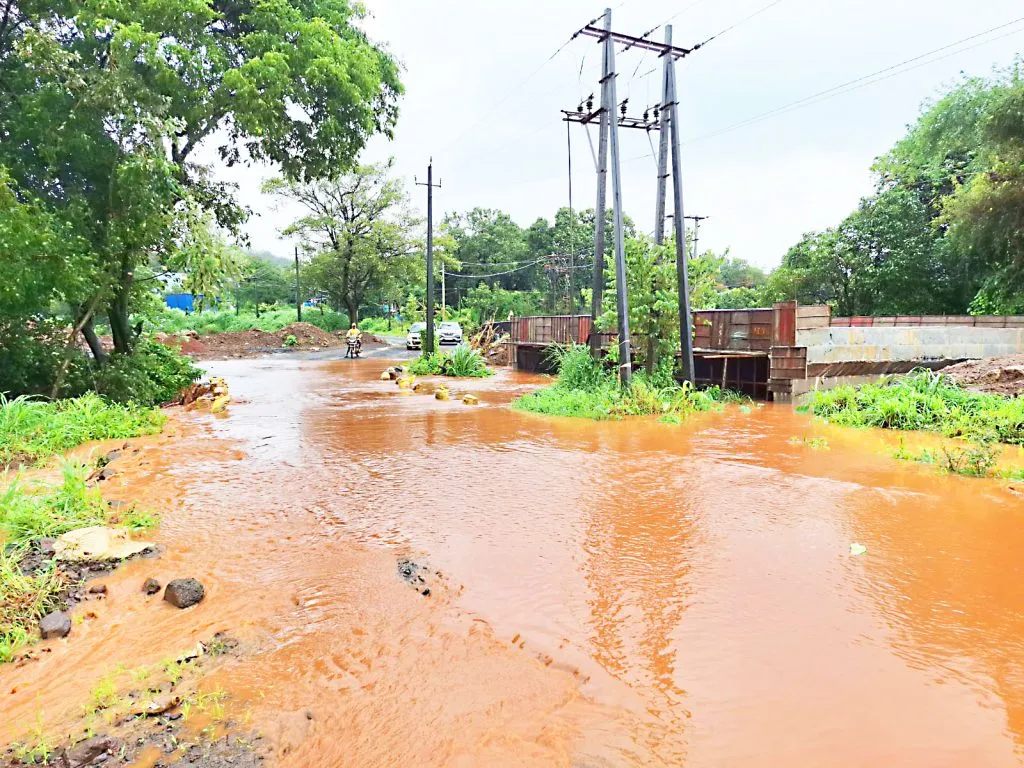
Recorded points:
470,399
309,714
151,586
89,751
98,589
426,592
385,376
56,624
183,593
46,546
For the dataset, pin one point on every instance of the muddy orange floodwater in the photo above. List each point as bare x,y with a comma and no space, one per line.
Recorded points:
610,593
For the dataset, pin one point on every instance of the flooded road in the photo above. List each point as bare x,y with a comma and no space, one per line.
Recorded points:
605,594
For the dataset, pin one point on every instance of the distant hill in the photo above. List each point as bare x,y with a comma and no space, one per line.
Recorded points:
270,258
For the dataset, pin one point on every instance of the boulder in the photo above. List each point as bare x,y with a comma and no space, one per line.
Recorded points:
85,752
151,586
441,393
183,593
98,543
56,624
470,399
386,376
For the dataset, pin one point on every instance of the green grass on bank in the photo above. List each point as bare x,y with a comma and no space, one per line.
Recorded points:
271,320
29,512
462,363
32,431
585,389
927,401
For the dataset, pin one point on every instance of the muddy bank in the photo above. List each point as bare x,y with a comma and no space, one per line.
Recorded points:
997,375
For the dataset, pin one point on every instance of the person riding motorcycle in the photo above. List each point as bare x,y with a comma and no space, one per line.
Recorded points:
354,339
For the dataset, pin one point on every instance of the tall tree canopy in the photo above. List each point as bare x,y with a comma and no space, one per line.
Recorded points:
944,231
358,228
105,104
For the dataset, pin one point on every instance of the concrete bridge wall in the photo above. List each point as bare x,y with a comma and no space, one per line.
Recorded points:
827,346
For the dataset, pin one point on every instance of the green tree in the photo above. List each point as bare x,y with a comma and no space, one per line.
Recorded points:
358,228
105,104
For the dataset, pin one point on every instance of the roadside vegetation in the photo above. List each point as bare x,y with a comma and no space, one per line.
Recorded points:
927,401
586,389
462,362
32,431
32,585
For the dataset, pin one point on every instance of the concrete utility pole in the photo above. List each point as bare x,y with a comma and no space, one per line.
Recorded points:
622,300
429,347
696,231
572,228
298,289
599,212
682,270
659,209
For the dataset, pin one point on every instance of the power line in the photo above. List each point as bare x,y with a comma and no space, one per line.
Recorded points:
744,20
495,274
870,79
491,113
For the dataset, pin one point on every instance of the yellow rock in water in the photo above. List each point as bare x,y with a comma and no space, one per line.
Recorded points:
385,376
441,393
406,382
220,404
470,399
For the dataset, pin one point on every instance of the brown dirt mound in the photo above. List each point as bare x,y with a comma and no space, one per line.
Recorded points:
996,375
254,343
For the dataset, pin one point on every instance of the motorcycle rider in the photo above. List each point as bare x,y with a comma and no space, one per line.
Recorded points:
354,338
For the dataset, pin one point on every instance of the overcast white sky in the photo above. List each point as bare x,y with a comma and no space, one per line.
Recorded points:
477,103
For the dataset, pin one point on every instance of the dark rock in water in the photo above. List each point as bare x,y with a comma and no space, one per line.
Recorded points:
98,589
151,587
183,593
56,624
90,751
46,546
414,574
105,460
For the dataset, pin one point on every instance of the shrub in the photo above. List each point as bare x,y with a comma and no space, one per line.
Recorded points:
290,340
463,362
466,363
33,430
152,375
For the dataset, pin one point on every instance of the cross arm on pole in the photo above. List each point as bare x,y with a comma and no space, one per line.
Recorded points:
664,49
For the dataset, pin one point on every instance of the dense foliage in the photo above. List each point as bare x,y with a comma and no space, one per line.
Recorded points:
944,231
104,107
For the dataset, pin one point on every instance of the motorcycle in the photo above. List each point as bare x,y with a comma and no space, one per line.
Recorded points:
355,347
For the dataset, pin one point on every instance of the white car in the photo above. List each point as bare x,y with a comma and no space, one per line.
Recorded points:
449,333
415,338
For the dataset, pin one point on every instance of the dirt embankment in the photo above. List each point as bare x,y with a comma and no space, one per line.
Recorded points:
997,375
245,344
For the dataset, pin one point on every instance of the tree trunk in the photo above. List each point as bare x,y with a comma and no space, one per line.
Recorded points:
353,310
89,332
120,329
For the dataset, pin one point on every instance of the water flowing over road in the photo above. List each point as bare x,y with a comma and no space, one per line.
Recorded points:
601,594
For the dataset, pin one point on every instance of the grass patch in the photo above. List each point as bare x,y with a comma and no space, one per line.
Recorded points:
462,362
587,390
970,459
24,599
226,321
31,431
33,511
927,401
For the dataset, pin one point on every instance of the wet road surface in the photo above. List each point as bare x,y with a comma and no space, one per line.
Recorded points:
604,594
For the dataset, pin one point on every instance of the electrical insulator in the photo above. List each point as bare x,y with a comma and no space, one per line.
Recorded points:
647,115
